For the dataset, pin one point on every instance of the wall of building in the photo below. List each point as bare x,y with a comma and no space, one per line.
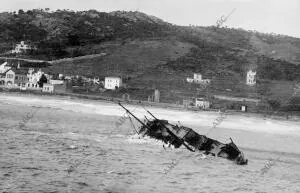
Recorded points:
156,96
48,88
60,88
202,104
251,78
112,83
10,78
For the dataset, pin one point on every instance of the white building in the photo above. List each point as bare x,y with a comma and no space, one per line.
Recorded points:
33,78
49,88
201,103
4,67
10,78
57,82
198,79
112,83
21,47
244,108
54,88
251,78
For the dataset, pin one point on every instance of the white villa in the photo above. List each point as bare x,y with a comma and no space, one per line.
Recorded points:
112,83
198,79
21,47
33,78
251,78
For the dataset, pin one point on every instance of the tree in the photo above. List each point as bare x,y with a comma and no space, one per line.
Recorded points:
42,80
77,81
21,11
275,104
80,81
73,39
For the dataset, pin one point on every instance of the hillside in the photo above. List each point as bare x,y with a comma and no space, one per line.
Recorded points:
150,53
67,33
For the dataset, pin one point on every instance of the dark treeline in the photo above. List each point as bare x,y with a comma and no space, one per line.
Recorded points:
53,32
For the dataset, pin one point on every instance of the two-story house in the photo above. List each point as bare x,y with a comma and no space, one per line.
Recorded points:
22,47
21,78
202,103
251,78
198,79
10,78
33,78
112,83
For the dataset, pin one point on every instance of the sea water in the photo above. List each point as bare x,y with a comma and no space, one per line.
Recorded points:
76,146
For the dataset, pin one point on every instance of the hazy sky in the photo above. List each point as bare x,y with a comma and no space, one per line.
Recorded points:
278,16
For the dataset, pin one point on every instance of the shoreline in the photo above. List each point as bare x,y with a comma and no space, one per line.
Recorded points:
137,103
201,121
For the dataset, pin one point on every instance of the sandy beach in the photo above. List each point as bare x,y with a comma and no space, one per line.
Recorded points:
58,144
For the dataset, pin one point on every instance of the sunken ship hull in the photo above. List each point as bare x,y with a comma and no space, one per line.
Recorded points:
183,136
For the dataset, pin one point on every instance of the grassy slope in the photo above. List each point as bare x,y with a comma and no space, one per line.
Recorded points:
131,58
286,48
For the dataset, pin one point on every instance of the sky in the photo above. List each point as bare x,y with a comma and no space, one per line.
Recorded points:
269,16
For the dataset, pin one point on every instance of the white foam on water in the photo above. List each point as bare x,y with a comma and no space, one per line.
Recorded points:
201,156
118,136
138,139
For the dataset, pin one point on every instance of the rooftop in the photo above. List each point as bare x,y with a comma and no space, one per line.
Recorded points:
21,71
111,77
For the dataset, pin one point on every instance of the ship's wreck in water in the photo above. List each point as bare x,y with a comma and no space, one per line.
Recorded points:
183,136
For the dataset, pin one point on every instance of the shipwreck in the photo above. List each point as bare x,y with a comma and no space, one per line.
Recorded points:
183,136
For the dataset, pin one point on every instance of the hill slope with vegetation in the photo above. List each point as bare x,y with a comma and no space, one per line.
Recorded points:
151,53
